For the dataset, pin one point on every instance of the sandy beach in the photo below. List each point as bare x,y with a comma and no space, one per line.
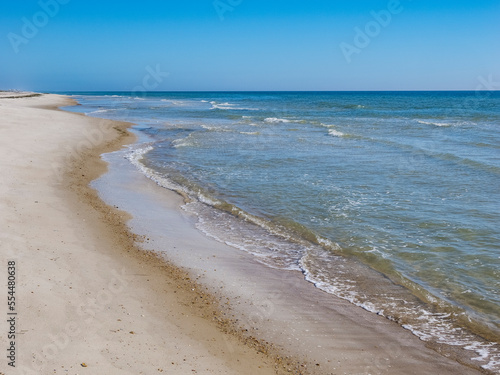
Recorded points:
93,297
85,296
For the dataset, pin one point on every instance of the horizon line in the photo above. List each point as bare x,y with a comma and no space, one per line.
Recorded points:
255,91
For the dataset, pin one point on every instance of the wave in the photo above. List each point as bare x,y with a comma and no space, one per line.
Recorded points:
270,243
184,142
344,106
275,120
335,133
215,128
175,102
443,124
100,111
229,106
216,105
433,321
136,156
475,164
332,131
414,152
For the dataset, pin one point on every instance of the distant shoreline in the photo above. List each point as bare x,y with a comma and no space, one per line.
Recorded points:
17,94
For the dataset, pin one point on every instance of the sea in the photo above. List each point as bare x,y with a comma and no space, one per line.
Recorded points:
390,200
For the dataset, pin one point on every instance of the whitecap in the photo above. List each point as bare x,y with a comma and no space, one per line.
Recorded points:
335,133
184,142
227,106
445,124
216,105
100,111
275,120
215,128
174,102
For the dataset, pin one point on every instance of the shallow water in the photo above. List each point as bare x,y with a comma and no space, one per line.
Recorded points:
370,195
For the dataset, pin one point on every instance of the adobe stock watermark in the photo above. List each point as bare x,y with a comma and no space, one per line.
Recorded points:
419,159
31,26
487,84
224,6
381,364
91,137
483,91
263,311
364,36
151,80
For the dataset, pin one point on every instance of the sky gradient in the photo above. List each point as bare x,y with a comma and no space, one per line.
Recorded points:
76,45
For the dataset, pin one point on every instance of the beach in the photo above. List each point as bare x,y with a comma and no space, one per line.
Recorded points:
95,294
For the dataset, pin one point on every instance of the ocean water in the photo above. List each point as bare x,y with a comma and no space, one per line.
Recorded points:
390,200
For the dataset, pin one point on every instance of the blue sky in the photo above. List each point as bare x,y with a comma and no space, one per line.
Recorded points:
78,45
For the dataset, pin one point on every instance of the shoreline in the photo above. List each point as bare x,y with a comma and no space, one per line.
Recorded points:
108,225
274,305
83,295
189,292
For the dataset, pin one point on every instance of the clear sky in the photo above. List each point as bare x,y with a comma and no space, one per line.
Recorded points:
76,45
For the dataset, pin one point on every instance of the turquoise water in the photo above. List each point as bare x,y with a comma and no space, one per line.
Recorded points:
352,189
